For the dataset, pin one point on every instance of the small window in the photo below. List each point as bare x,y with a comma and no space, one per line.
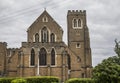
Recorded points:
45,19
78,45
36,37
52,38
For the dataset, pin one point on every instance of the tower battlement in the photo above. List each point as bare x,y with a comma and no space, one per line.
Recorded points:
13,48
3,43
76,12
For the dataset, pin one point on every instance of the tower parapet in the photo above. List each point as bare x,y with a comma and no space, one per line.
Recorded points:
77,12
3,43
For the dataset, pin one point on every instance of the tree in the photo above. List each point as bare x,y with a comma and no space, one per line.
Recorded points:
109,70
117,47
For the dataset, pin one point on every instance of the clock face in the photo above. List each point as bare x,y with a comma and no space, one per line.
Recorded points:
77,23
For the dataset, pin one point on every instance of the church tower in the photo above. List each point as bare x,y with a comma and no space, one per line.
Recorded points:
3,52
78,39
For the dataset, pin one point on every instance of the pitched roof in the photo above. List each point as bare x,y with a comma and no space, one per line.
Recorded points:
47,14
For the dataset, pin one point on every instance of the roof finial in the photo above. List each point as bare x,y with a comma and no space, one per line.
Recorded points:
45,8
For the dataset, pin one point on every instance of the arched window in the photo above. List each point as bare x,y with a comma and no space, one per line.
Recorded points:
32,58
69,61
36,37
79,23
45,19
75,22
44,35
42,57
52,38
53,57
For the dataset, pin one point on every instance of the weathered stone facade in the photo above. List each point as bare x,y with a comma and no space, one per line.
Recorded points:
46,54
3,50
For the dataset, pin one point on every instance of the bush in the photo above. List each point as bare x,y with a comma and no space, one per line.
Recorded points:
43,79
40,79
19,81
6,80
80,80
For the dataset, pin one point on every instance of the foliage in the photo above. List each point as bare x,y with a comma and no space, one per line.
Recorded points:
6,80
80,80
108,71
40,79
43,79
117,47
19,81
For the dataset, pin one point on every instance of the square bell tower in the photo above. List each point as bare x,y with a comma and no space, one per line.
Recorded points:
78,37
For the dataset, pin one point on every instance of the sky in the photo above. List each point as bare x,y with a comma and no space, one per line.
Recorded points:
103,21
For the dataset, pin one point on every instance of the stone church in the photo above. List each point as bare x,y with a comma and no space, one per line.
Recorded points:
45,53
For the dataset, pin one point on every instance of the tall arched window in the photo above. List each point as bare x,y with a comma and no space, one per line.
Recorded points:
69,61
79,23
75,22
53,57
44,35
36,37
52,38
42,57
32,58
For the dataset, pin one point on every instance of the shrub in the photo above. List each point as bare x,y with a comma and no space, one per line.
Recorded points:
19,81
43,79
6,80
40,79
80,80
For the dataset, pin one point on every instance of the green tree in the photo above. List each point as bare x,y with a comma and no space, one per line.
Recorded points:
109,70
117,47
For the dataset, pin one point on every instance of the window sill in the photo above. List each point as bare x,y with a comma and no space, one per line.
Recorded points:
77,27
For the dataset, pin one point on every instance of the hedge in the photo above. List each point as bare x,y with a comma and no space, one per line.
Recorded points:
40,79
80,80
19,81
6,80
43,79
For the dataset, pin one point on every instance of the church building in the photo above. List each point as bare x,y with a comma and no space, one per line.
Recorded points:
45,53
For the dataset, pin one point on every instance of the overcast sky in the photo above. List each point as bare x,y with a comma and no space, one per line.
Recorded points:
103,20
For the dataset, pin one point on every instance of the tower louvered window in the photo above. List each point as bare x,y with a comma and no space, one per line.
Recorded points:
79,23
75,22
